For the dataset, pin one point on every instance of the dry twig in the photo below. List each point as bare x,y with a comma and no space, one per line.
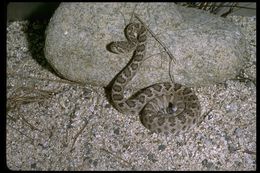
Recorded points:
162,44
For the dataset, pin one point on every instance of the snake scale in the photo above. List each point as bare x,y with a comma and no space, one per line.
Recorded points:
163,107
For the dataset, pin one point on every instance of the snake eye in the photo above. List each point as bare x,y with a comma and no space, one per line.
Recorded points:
171,108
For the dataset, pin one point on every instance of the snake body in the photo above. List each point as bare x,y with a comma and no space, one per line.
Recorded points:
163,107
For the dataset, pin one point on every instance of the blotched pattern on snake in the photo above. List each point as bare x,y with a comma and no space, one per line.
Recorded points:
163,107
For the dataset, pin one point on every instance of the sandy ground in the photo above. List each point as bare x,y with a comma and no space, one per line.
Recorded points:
55,124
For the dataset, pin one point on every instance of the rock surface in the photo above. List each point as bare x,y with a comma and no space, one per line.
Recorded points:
208,49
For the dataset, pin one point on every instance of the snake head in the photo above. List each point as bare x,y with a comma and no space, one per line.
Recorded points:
120,47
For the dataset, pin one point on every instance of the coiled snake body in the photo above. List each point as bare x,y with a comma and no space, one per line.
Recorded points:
163,107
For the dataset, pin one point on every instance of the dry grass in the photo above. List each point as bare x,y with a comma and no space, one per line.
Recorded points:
220,8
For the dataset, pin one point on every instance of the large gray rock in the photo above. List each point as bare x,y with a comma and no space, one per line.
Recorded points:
208,49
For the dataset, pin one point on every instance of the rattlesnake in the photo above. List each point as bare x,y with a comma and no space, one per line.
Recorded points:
163,107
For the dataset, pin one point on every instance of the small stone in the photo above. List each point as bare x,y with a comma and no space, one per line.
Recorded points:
238,132
90,161
33,166
87,93
95,162
231,149
107,106
231,107
210,116
151,157
161,147
116,131
207,164
204,162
